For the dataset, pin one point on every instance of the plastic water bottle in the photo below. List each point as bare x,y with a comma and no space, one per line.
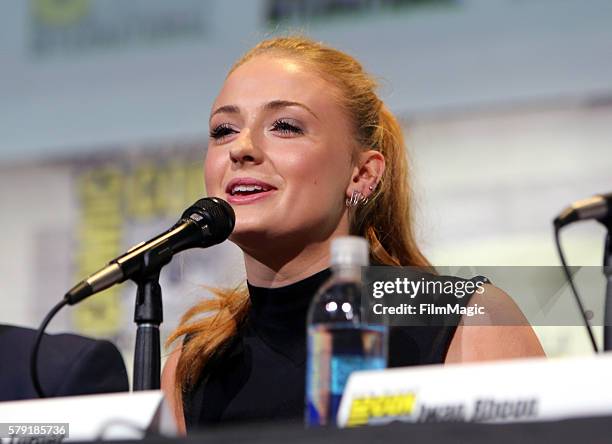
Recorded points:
339,340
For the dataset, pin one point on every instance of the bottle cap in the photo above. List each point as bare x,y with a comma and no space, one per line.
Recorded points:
350,250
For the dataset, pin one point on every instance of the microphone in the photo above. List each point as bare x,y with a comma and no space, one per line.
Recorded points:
207,222
597,207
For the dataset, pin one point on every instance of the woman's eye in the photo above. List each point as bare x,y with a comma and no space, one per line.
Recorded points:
222,131
285,127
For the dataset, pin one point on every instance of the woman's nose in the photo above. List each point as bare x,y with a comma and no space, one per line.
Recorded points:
244,150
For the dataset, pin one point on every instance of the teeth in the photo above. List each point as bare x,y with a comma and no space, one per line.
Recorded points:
246,188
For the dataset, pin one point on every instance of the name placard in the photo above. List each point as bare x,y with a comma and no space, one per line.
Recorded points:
517,390
88,418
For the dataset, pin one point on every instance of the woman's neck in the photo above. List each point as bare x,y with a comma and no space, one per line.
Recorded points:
275,272
285,261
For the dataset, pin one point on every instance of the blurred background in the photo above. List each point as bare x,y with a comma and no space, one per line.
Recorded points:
506,106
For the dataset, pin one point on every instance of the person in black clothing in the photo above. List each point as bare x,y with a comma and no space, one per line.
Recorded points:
69,365
305,151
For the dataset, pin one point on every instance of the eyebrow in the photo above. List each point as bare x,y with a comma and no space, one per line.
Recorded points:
273,105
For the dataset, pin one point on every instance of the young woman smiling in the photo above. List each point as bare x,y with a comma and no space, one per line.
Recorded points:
305,151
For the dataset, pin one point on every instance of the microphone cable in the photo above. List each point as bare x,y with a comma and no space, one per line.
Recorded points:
34,355
574,290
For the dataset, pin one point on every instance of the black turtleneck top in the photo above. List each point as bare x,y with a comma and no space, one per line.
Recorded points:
260,373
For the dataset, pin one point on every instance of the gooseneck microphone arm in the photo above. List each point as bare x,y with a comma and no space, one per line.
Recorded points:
208,222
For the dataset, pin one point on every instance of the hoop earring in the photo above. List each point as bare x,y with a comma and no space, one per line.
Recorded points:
356,199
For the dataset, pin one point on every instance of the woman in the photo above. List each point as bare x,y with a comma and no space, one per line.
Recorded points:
305,151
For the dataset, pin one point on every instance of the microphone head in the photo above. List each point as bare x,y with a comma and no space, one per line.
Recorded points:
215,214
598,207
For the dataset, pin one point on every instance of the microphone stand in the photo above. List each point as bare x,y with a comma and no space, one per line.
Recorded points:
148,315
607,269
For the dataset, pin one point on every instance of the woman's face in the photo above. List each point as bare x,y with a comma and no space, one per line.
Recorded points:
279,153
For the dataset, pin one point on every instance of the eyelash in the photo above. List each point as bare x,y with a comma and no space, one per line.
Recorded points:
280,125
284,127
221,131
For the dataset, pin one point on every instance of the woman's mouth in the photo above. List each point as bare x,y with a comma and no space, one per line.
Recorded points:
247,190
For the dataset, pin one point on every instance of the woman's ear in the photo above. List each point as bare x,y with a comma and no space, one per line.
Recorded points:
367,173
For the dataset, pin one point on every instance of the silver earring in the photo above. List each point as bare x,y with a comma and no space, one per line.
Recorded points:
356,199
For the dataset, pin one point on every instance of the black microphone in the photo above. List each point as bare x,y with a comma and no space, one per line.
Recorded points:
207,222
597,207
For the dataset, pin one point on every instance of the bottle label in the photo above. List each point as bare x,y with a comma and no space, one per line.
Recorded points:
343,365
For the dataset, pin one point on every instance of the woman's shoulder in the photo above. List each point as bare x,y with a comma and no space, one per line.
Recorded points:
502,333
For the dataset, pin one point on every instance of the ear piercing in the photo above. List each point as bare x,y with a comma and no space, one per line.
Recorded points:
359,199
356,199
